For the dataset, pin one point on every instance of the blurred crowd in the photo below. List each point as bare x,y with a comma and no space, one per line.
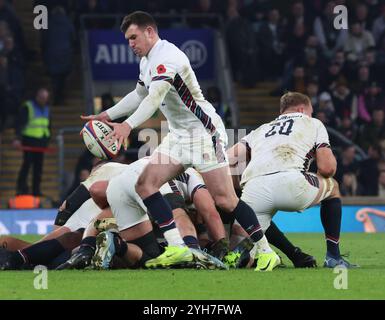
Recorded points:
12,62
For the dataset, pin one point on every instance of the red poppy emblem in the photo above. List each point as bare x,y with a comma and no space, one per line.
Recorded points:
161,69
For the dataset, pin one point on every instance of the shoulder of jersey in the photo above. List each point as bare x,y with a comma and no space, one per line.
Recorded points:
169,51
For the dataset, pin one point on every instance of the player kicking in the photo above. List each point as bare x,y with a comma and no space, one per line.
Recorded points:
277,176
197,137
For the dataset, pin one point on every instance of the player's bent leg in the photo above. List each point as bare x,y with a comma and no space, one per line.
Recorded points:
158,171
82,258
13,244
295,254
331,214
55,233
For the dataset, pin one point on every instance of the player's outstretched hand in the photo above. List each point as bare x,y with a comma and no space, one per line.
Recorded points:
120,134
101,117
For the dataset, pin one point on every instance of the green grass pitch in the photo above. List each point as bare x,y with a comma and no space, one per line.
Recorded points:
367,282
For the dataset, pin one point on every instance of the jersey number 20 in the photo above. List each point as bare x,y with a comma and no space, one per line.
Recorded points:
284,128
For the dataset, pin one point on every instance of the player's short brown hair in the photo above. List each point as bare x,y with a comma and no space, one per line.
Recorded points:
140,18
293,99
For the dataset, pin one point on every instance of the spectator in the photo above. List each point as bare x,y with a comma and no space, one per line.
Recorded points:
296,41
15,76
256,11
370,100
380,60
33,132
357,41
373,131
271,43
368,172
346,163
57,46
379,25
297,82
329,79
348,187
361,15
312,89
241,43
329,38
326,106
8,15
298,16
348,128
321,116
363,79
342,100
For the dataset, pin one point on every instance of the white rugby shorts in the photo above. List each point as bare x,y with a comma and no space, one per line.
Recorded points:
204,152
286,191
126,205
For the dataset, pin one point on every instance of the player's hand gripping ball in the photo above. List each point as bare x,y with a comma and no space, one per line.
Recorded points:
94,135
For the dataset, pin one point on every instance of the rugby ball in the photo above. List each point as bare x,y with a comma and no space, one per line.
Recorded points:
94,135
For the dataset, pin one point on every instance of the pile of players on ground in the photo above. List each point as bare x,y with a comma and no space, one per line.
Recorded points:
104,224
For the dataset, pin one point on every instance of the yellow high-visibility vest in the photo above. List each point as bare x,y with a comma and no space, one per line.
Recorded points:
38,121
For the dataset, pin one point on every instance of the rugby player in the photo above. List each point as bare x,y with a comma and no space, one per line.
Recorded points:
277,176
131,214
197,138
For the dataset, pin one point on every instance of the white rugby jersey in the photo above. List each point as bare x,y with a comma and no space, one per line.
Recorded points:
104,172
184,106
285,144
111,169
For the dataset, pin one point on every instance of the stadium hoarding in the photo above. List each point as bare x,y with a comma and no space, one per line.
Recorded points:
113,60
354,219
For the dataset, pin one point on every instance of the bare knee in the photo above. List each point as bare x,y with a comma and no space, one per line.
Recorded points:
226,203
98,193
146,186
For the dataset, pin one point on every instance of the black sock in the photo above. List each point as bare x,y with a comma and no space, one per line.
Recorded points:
248,220
60,259
279,240
331,213
191,242
17,259
120,246
161,211
42,252
88,242
227,220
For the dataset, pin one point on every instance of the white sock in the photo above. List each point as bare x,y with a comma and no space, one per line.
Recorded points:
262,246
174,238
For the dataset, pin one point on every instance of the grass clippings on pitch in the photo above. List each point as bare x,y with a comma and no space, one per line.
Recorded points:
367,282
